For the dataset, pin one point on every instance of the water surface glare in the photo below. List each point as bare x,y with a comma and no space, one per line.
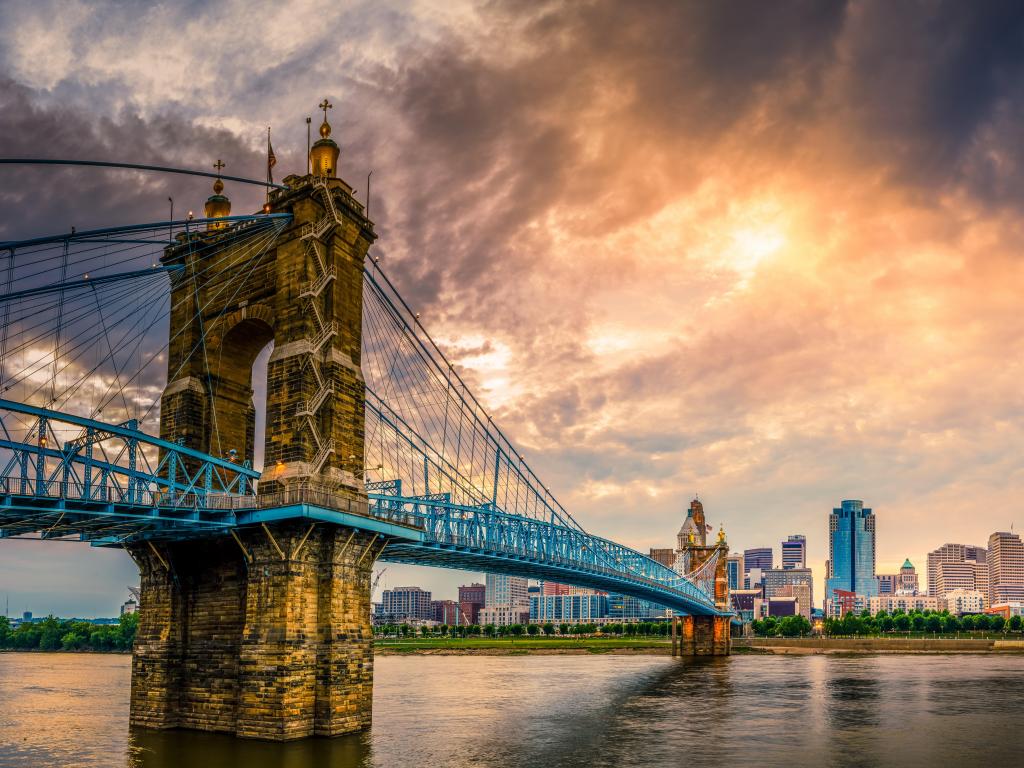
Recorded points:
586,711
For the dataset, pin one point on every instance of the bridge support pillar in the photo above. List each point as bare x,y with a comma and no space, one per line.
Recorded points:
265,637
701,636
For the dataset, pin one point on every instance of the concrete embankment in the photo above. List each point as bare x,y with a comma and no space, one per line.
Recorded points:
809,645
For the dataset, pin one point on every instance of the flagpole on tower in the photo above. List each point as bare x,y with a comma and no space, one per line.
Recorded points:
309,122
271,162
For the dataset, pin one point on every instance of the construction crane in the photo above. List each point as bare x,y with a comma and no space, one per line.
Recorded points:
376,580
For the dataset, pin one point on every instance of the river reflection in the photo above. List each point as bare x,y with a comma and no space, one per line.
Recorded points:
584,711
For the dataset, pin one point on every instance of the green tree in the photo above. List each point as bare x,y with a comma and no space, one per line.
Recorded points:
549,628
933,622
424,630
6,633
50,634
490,630
516,630
996,623
127,628
532,630
917,622
795,626
1015,624
563,629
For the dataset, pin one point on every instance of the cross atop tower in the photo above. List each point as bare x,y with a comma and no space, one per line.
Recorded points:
325,105
218,165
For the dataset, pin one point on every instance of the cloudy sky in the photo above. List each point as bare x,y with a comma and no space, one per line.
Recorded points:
769,253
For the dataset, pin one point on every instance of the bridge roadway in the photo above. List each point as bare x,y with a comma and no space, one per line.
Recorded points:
67,491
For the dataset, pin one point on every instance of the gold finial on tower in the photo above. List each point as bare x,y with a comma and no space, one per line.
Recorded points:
325,127
217,205
323,157
721,534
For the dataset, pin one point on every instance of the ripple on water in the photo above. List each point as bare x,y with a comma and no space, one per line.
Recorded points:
586,711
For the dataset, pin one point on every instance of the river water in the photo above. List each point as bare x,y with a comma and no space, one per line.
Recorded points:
587,711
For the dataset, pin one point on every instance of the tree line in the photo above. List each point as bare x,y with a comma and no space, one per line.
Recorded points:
53,634
919,621
547,629
784,626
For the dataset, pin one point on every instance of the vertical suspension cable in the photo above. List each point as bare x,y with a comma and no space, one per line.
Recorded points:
7,319
60,318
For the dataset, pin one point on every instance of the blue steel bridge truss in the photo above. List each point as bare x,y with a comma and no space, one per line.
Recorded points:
445,486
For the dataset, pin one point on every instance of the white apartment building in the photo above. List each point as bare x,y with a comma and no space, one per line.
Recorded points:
906,603
500,589
961,601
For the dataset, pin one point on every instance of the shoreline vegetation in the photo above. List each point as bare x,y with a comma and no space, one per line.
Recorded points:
883,633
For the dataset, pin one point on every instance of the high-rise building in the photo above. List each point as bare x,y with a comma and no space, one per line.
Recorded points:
404,603
734,571
794,552
666,557
887,583
568,607
471,600
907,583
760,557
951,576
694,525
445,611
790,582
505,590
628,608
1005,568
851,547
952,553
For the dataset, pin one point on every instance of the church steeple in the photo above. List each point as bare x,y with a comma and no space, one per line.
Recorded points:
323,157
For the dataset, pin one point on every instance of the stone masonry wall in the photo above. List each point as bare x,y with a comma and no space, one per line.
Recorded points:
254,643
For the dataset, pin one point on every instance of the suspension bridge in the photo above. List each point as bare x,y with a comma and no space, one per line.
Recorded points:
128,419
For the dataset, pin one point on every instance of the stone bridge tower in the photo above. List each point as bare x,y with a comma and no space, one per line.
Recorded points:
266,632
703,635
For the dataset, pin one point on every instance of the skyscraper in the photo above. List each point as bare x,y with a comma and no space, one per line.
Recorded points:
794,552
505,590
952,553
851,547
791,582
734,571
761,557
1005,568
907,578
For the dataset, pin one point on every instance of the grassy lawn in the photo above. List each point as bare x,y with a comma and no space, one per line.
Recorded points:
595,644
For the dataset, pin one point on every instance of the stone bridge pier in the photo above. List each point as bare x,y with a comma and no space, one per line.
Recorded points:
267,636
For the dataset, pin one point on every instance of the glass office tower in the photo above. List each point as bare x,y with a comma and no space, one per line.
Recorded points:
851,545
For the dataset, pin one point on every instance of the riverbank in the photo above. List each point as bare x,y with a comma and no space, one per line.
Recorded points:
653,646
507,646
833,645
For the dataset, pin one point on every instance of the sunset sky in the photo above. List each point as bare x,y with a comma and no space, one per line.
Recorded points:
770,253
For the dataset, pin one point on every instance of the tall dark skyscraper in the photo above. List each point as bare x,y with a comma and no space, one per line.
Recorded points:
851,549
761,557
794,552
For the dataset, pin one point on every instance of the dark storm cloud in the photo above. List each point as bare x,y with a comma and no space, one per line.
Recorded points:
52,199
925,80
